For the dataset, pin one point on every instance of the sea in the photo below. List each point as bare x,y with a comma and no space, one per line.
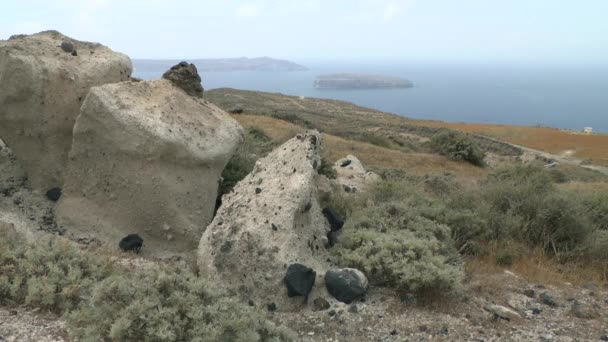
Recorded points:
552,96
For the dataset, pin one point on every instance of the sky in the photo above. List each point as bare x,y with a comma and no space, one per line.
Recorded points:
467,31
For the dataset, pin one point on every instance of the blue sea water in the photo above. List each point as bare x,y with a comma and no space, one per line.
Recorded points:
560,97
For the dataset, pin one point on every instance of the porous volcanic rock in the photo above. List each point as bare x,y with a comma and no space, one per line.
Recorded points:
256,235
352,176
146,159
41,90
185,76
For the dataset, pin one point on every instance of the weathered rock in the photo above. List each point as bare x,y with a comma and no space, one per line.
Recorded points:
254,237
346,284
585,311
503,312
41,91
299,280
185,76
351,175
146,159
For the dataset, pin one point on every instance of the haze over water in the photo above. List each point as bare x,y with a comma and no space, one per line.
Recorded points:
561,97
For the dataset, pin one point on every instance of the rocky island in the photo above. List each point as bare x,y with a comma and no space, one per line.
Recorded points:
360,81
225,64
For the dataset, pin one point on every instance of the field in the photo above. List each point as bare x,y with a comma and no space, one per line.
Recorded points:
556,141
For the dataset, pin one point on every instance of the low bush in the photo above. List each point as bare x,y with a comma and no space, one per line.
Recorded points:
105,301
256,144
457,146
395,246
326,169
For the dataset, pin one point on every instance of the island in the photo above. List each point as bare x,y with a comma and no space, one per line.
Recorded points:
360,81
220,64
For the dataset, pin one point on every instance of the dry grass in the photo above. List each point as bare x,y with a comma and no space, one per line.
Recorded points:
536,267
370,155
585,186
550,140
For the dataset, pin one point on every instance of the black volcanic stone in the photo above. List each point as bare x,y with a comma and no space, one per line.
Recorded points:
299,280
131,243
54,194
185,76
345,285
336,222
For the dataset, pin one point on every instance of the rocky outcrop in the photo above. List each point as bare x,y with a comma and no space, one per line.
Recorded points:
42,86
186,77
346,284
269,221
146,159
352,176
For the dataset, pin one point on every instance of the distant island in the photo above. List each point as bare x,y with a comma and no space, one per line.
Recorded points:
360,81
225,64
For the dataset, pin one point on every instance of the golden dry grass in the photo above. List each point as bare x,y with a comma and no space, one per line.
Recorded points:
550,140
535,266
370,155
585,186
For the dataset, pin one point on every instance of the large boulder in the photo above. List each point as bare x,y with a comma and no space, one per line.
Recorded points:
42,85
146,159
269,221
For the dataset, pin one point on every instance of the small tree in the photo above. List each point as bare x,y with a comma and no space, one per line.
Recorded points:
457,146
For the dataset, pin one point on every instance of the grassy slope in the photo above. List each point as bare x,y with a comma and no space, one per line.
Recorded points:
556,141
348,120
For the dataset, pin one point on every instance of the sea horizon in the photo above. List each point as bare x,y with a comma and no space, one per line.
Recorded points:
563,97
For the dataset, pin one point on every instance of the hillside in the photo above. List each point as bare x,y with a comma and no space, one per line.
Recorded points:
225,64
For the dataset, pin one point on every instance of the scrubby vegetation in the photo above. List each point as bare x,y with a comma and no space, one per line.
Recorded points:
457,146
104,300
256,145
406,232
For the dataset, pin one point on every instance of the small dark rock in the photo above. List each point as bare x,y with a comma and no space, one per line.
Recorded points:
236,110
336,222
348,189
274,227
346,284
251,303
272,307
67,47
299,280
332,312
185,76
423,328
584,311
332,238
530,293
353,308
394,332
131,243
345,163
537,311
258,190
604,337
74,53
321,304
444,331
54,194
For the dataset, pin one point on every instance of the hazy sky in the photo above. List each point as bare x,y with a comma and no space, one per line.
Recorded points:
508,31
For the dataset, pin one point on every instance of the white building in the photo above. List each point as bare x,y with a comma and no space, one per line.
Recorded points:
588,130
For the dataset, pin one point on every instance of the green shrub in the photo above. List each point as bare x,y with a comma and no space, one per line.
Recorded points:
256,144
596,207
53,276
374,139
102,300
504,258
391,236
167,304
457,146
327,170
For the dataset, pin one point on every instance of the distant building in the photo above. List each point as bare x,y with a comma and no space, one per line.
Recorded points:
588,130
